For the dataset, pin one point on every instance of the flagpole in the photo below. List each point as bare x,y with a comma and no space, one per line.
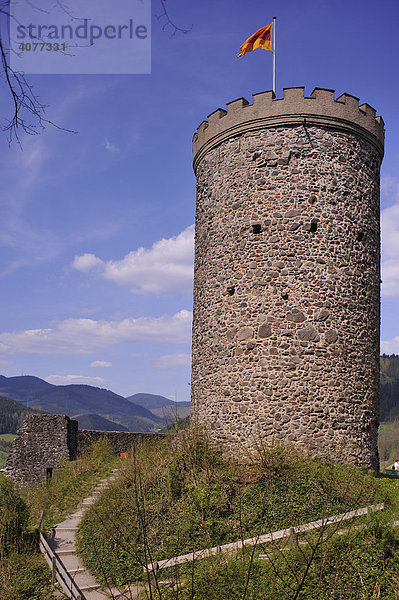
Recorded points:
274,54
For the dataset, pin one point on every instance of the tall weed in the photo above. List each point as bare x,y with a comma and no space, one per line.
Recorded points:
182,494
72,482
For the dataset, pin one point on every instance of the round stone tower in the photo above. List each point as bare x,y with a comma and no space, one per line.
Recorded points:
287,274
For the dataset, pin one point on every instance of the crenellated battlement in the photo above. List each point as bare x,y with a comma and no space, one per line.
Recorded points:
266,111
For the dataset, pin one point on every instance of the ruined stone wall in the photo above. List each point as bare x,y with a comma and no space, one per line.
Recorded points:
42,442
286,286
121,441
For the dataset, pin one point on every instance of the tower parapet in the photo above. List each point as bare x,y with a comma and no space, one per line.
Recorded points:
266,111
286,279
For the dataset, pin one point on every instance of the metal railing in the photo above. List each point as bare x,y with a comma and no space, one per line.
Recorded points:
58,570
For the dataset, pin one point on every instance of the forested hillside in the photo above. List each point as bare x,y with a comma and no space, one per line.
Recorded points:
79,399
12,414
389,387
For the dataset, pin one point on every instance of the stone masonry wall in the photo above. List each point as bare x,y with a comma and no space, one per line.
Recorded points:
286,290
121,441
42,442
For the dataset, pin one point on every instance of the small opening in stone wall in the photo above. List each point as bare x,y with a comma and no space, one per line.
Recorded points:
360,236
284,295
49,473
231,290
256,228
313,226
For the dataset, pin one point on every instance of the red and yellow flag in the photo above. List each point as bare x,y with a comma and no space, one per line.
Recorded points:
260,39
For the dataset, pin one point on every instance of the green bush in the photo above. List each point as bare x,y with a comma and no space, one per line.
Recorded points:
72,482
14,516
358,565
182,494
388,443
6,440
25,577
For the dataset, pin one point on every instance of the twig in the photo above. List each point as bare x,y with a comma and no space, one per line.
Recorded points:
168,21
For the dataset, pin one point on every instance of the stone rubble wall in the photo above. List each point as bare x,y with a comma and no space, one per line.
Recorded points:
41,443
286,291
45,441
121,441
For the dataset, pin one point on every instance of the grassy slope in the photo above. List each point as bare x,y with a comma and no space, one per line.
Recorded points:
182,495
6,440
359,564
69,485
388,443
7,437
24,574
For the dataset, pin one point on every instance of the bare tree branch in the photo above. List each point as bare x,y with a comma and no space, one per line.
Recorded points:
168,21
28,112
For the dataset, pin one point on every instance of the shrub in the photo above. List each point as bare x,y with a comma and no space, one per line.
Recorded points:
70,484
14,516
25,577
182,494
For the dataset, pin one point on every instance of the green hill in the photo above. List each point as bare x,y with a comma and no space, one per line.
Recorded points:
162,407
181,495
389,387
12,413
6,440
79,399
97,423
150,401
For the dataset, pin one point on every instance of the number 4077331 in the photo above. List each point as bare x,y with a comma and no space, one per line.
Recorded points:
42,47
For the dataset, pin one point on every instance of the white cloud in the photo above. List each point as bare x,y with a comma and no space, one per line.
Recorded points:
173,361
390,346
101,363
83,336
166,267
110,147
390,250
389,189
68,379
86,262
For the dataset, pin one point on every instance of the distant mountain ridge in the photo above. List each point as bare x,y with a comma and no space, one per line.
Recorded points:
150,400
162,407
97,423
139,412
25,385
79,399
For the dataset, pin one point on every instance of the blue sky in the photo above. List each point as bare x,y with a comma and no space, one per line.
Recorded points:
96,226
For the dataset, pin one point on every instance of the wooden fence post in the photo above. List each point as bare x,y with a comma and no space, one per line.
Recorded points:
291,537
53,569
41,519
